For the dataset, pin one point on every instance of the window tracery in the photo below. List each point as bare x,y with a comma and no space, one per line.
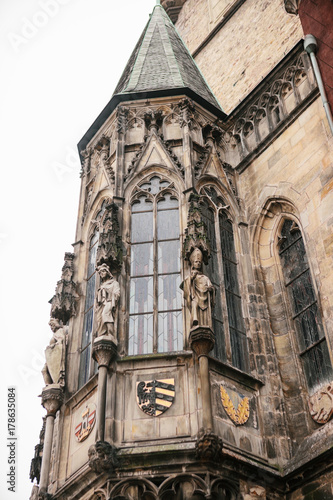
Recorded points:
304,305
155,308
223,272
87,332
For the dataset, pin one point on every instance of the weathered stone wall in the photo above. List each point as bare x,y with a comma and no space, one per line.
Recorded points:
244,50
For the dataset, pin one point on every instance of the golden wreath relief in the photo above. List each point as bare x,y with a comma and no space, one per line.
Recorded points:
239,416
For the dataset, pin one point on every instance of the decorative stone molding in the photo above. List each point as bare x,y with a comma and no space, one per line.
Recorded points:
103,150
266,112
255,492
104,350
109,249
153,120
102,457
187,108
122,119
208,446
196,231
52,398
63,302
291,6
173,8
202,340
321,404
86,161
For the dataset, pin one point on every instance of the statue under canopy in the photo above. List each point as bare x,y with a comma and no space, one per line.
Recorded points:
55,354
106,302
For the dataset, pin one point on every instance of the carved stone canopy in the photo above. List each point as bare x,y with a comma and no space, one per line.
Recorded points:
52,398
63,302
109,249
196,231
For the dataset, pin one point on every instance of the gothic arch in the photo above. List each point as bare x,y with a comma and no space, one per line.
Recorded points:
134,489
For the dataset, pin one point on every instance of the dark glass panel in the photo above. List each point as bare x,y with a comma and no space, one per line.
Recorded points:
230,276
87,327
168,201
234,306
141,298
90,292
169,257
238,350
142,259
170,331
317,366
84,366
212,194
219,348
227,238
289,234
92,258
142,204
209,220
309,327
294,260
140,339
168,224
169,293
301,292
142,227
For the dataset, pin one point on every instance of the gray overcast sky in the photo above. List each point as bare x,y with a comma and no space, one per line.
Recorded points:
60,60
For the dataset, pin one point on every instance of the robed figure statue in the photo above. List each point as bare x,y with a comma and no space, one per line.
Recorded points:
106,302
199,293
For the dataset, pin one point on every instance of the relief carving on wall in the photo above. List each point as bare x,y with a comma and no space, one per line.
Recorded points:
86,424
239,416
154,397
321,404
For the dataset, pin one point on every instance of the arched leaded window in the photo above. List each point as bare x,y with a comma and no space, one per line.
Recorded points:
155,309
87,366
223,272
304,305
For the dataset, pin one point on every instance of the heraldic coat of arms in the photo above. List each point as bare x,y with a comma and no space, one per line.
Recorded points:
156,396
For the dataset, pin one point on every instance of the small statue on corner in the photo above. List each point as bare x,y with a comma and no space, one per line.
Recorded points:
107,303
55,354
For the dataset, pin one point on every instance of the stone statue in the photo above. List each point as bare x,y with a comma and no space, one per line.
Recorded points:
106,302
54,369
199,292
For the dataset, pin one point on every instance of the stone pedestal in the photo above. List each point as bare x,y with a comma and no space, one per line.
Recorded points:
52,399
202,340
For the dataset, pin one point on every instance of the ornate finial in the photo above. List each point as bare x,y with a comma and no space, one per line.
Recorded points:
196,231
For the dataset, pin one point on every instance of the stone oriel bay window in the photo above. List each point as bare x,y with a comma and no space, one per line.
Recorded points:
155,302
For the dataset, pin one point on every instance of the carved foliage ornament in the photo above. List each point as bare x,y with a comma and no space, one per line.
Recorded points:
63,302
321,404
154,397
239,416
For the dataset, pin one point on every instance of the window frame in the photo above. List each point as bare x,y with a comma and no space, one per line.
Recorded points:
154,198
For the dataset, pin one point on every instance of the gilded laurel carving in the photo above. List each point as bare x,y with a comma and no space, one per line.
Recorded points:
240,415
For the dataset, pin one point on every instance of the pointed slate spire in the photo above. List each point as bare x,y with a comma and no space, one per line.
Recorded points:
159,66
161,61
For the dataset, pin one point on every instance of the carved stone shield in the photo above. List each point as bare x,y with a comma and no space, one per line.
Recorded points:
240,415
54,360
155,396
85,426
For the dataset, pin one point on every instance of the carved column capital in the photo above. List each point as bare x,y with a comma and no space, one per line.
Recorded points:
202,340
52,398
104,350
208,446
102,457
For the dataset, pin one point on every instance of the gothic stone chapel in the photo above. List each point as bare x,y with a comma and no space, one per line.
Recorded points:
192,327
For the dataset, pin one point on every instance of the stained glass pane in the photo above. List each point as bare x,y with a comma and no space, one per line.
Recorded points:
140,339
142,259
167,201
141,295
317,366
227,238
294,260
142,227
168,224
143,204
84,366
170,332
169,257
87,327
169,293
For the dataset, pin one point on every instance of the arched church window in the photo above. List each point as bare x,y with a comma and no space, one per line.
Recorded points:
306,315
87,366
155,309
222,269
